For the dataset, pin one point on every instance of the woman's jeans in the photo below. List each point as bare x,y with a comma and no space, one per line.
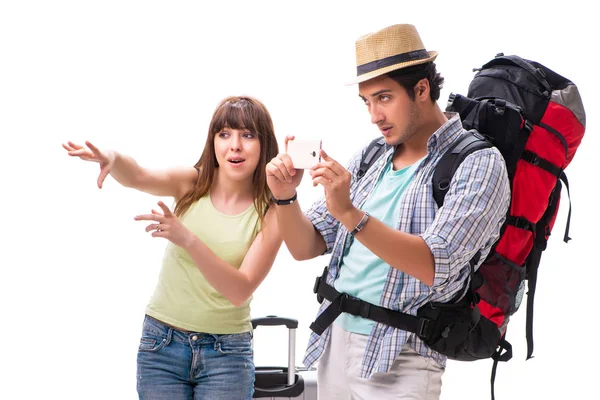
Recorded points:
176,365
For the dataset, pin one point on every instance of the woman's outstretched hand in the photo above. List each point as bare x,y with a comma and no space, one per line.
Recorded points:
106,159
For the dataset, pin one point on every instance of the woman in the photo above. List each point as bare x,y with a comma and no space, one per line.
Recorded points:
196,339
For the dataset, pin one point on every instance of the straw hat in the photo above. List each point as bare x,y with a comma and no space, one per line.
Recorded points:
392,48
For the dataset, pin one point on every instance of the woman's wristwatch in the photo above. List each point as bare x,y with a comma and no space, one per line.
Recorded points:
284,202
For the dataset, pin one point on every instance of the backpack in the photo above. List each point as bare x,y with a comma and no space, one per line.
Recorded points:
536,119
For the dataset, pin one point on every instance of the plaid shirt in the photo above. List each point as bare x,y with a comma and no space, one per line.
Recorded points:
470,219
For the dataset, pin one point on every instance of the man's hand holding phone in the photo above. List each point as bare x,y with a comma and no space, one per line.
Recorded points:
336,180
305,154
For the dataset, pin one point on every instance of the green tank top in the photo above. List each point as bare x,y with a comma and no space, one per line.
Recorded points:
183,297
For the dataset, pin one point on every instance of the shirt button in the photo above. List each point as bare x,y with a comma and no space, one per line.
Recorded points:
194,337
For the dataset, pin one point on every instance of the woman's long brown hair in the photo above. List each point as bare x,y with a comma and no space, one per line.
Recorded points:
236,112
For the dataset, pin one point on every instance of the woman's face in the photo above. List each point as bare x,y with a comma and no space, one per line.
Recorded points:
237,152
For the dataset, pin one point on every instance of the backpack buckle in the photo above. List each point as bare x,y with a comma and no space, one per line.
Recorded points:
345,300
316,289
531,158
317,284
423,330
451,99
365,309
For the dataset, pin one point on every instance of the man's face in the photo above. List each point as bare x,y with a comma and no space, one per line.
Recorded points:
394,113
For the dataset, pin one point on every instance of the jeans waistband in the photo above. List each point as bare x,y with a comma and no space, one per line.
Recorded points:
152,325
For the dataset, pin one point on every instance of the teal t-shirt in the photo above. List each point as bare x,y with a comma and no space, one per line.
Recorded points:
362,273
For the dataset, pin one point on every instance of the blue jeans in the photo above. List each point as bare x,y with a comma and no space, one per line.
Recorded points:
178,365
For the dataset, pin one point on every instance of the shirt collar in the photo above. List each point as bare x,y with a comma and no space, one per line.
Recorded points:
446,134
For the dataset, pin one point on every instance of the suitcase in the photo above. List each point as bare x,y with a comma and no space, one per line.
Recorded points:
284,382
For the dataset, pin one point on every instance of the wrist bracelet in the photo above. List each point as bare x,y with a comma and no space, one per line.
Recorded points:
284,202
361,224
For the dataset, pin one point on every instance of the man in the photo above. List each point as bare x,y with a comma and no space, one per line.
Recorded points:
391,246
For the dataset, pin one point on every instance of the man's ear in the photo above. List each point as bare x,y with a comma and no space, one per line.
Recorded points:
422,89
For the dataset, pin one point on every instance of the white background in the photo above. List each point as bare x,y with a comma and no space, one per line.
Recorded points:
143,77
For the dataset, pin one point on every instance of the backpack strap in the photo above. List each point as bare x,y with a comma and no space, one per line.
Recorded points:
451,160
503,353
565,182
533,261
372,153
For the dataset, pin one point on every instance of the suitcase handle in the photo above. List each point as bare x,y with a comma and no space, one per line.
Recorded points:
292,325
272,320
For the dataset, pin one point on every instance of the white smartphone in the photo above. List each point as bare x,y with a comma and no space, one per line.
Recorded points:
304,153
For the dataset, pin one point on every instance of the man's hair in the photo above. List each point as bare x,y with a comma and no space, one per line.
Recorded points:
409,76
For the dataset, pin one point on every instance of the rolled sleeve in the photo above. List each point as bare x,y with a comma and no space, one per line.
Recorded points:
324,223
471,217
441,257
